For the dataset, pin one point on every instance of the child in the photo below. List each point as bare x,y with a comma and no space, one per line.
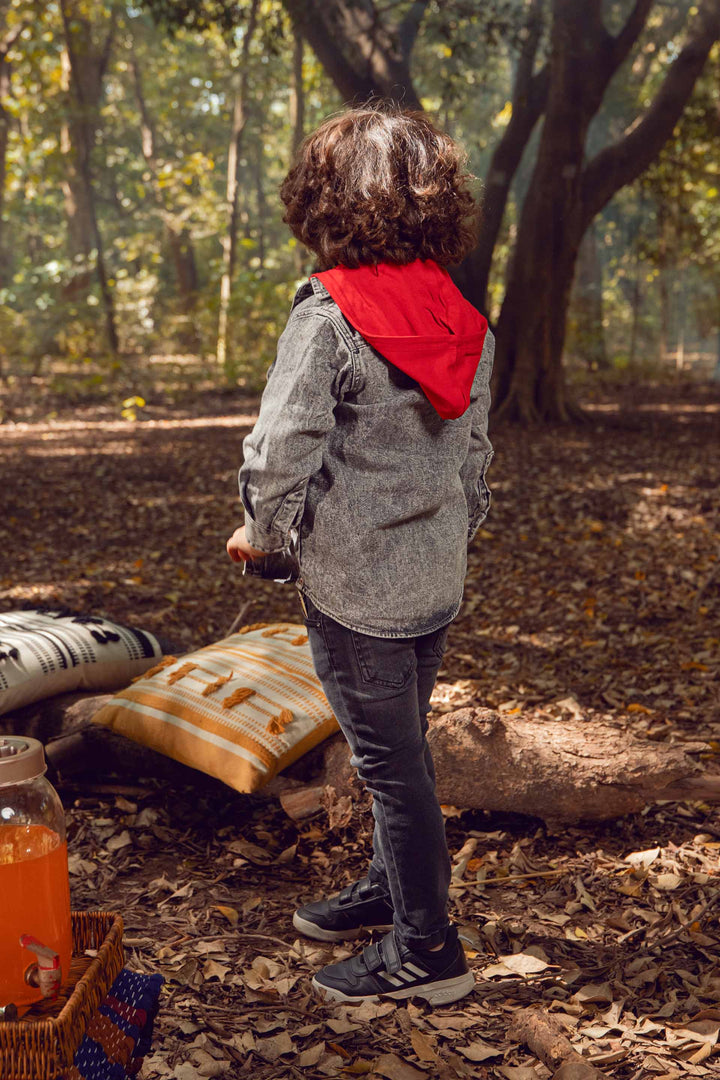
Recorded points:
372,443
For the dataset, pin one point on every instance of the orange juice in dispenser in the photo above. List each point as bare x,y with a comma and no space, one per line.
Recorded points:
35,927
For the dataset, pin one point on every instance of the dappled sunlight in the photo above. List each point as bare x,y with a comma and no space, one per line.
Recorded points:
673,408
51,429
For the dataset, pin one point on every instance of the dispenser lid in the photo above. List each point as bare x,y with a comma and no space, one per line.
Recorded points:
21,759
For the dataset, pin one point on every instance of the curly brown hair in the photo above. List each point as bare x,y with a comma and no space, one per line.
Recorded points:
376,184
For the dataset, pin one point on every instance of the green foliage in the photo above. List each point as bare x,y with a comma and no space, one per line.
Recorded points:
159,178
258,312
197,15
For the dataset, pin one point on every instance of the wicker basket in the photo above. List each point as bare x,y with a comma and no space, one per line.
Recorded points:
42,1044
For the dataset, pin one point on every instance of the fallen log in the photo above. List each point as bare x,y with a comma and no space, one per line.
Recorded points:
75,747
545,1037
558,770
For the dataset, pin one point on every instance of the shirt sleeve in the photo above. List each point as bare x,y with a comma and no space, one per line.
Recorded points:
480,452
285,448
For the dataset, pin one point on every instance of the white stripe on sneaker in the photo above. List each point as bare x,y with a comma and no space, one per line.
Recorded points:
408,973
391,978
415,969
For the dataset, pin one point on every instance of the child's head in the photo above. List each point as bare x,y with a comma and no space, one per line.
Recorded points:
380,185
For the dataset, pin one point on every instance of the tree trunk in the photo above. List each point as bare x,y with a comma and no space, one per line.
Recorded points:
260,201
78,215
363,56
556,770
636,303
4,139
297,94
86,63
531,328
662,241
588,338
7,40
682,327
528,102
229,243
177,238
564,197
297,121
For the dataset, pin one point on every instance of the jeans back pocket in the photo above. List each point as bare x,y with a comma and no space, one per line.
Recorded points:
384,661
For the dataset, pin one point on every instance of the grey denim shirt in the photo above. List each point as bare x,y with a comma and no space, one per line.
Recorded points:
384,493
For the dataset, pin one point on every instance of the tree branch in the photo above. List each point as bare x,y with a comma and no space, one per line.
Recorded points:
407,30
623,42
621,163
356,48
528,102
108,43
524,77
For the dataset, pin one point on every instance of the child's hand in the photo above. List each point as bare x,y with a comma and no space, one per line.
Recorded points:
239,550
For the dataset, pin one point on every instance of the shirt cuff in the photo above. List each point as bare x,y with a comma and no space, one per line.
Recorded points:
266,540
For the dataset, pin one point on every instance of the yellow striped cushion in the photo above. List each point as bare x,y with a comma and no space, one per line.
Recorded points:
241,709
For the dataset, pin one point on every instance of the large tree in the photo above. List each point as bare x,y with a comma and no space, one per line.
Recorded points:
177,236
232,188
86,57
8,37
567,192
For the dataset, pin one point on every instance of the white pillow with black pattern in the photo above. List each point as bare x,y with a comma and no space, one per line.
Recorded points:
43,653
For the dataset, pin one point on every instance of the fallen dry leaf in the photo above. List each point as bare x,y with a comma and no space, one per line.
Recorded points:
231,914
517,964
479,1051
394,1068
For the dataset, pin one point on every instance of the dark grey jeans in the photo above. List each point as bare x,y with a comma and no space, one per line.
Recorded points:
379,690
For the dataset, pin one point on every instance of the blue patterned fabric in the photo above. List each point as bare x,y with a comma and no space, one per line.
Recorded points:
120,1034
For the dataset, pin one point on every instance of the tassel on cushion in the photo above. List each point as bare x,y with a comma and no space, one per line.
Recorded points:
165,662
237,697
277,724
213,686
180,673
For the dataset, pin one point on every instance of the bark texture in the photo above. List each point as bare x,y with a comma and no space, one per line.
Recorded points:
363,55
6,43
232,188
545,1037
177,238
85,62
528,102
557,770
587,337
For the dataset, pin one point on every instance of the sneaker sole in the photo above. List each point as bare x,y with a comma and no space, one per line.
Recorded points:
438,993
318,933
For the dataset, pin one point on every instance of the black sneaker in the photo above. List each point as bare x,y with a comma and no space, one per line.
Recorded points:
392,970
362,906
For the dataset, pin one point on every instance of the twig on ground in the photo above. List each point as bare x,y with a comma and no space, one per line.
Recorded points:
239,618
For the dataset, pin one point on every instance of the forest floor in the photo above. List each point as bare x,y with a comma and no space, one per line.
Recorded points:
594,589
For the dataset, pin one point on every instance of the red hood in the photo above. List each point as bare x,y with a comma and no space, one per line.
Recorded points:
417,318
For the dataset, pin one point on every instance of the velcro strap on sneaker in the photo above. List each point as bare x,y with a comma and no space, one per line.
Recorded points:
371,958
390,953
346,895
